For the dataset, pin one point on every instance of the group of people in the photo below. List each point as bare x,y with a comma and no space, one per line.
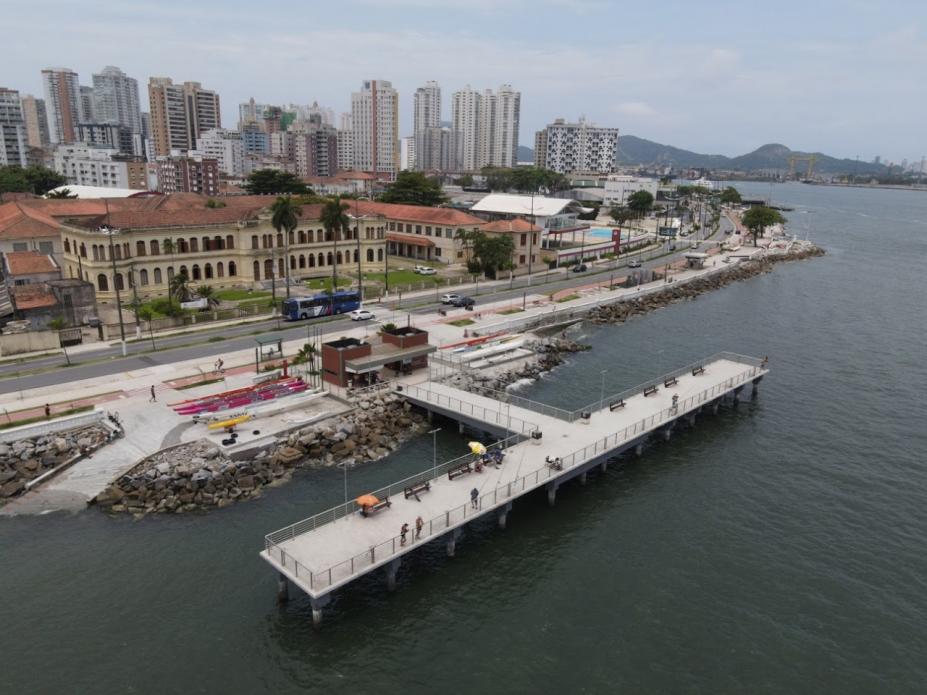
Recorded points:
419,525
493,457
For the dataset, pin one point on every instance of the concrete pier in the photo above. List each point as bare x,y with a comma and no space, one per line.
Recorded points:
544,447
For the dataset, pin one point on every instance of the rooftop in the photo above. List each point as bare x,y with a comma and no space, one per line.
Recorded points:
515,225
537,206
20,263
418,213
36,296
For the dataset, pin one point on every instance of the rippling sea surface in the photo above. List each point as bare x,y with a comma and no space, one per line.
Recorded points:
778,547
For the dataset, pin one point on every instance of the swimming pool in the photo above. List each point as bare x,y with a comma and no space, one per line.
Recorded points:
606,233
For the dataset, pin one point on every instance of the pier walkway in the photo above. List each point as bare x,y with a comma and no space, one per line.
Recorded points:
543,446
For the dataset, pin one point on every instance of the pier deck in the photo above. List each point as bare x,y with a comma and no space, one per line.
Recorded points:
331,549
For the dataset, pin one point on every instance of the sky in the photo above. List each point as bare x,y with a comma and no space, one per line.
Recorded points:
846,78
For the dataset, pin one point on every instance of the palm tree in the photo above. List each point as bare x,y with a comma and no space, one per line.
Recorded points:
207,293
334,220
286,212
61,194
170,247
464,237
180,286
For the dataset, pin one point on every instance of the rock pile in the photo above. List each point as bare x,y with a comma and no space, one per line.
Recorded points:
198,476
26,459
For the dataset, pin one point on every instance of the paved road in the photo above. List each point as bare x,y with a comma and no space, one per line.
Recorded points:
170,349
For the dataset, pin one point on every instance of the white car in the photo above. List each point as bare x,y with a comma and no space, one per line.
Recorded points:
449,298
634,264
427,271
360,315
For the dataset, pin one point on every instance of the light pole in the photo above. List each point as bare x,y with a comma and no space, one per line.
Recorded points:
112,257
602,389
434,452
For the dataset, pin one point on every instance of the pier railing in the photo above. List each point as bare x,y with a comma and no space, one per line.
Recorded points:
342,572
496,416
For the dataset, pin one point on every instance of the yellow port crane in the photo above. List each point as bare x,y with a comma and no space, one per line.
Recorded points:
810,158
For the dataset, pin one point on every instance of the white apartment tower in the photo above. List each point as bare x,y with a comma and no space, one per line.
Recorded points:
226,147
13,142
345,143
375,127
426,107
579,148
465,121
62,103
486,127
115,96
506,116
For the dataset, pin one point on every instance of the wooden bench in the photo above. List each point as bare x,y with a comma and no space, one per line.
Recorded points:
698,370
670,382
649,391
413,490
616,405
373,509
458,471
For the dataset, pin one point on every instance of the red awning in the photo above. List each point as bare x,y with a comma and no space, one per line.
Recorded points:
413,239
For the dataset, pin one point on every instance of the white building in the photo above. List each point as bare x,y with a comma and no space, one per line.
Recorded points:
579,147
426,107
551,214
226,147
13,141
84,165
407,154
618,188
250,112
115,96
375,125
62,103
486,127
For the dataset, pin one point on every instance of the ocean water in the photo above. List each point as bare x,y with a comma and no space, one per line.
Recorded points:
778,547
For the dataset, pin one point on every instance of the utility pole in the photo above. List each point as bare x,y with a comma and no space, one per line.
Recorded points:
112,258
360,275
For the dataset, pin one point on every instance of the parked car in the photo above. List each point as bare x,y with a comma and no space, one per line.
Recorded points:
462,301
450,298
426,271
361,315
634,264
580,268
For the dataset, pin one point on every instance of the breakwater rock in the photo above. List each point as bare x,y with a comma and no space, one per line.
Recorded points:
27,459
197,475
619,312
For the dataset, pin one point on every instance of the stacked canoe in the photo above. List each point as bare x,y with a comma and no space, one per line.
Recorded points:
238,398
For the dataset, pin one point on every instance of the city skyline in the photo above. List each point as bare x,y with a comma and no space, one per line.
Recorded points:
752,75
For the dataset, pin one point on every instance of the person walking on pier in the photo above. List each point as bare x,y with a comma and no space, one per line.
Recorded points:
402,534
419,525
47,411
474,498
153,398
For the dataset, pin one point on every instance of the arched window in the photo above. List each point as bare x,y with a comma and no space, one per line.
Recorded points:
143,276
125,250
206,245
194,245
183,271
170,273
302,261
220,270
232,269
281,267
139,248
67,246
119,282
321,260
196,271
118,249
356,257
279,239
230,242
95,252
292,262
380,255
257,270
370,255
157,276
311,261
254,241
153,247
216,243
302,236
309,237
265,241
268,269
340,258
331,258
102,283
181,245
207,271
83,250
289,236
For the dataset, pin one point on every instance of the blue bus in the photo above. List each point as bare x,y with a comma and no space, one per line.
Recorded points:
321,305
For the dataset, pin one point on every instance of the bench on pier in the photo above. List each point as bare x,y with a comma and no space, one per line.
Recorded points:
670,382
555,463
698,370
414,490
373,509
460,470
612,407
650,390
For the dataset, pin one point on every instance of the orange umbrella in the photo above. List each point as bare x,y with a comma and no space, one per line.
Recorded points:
367,500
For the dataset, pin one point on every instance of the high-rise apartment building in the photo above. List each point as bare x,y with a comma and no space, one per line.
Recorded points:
486,127
115,97
88,111
578,148
111,135
375,127
540,149
426,107
13,145
188,175
345,143
36,121
434,150
250,112
86,165
254,139
180,113
62,103
315,147
226,147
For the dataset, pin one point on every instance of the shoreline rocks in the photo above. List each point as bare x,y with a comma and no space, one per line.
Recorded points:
197,476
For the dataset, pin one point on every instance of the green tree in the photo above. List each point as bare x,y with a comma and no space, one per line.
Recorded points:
144,313
334,220
640,202
758,218
464,181
213,203
620,214
170,247
64,193
414,188
209,294
731,195
33,179
666,180
492,252
180,286
286,212
271,181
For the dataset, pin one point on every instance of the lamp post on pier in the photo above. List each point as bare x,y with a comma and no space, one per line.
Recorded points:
602,389
434,451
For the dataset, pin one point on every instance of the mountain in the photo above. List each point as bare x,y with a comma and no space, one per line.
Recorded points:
772,157
525,154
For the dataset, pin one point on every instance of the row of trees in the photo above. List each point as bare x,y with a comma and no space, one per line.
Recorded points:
32,179
487,254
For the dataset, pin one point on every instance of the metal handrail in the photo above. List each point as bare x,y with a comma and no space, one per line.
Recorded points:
496,417
380,553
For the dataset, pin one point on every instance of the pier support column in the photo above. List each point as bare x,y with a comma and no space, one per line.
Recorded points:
690,419
736,394
756,386
552,493
667,432
639,448
391,569
603,466
715,405
503,513
452,542
429,415
283,588
317,605
582,477
460,427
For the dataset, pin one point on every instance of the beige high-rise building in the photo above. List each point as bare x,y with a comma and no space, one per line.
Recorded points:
36,121
375,127
180,114
62,103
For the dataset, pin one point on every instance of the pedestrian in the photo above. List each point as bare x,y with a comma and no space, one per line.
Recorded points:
47,411
402,534
474,496
153,399
419,525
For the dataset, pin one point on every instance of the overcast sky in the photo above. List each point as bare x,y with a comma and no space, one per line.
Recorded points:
847,78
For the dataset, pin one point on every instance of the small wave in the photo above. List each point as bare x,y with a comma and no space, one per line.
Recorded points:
520,384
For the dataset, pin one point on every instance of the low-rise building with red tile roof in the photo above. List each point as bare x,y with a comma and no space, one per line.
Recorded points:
525,236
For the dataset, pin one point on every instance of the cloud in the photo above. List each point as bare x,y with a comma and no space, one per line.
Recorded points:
636,108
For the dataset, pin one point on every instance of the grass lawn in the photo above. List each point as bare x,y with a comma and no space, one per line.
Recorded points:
238,295
42,418
326,283
462,322
402,277
199,383
262,302
568,298
510,311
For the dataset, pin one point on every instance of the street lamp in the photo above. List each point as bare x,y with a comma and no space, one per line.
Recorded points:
602,390
434,451
112,257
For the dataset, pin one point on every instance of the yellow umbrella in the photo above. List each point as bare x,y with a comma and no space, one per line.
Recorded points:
477,448
367,500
